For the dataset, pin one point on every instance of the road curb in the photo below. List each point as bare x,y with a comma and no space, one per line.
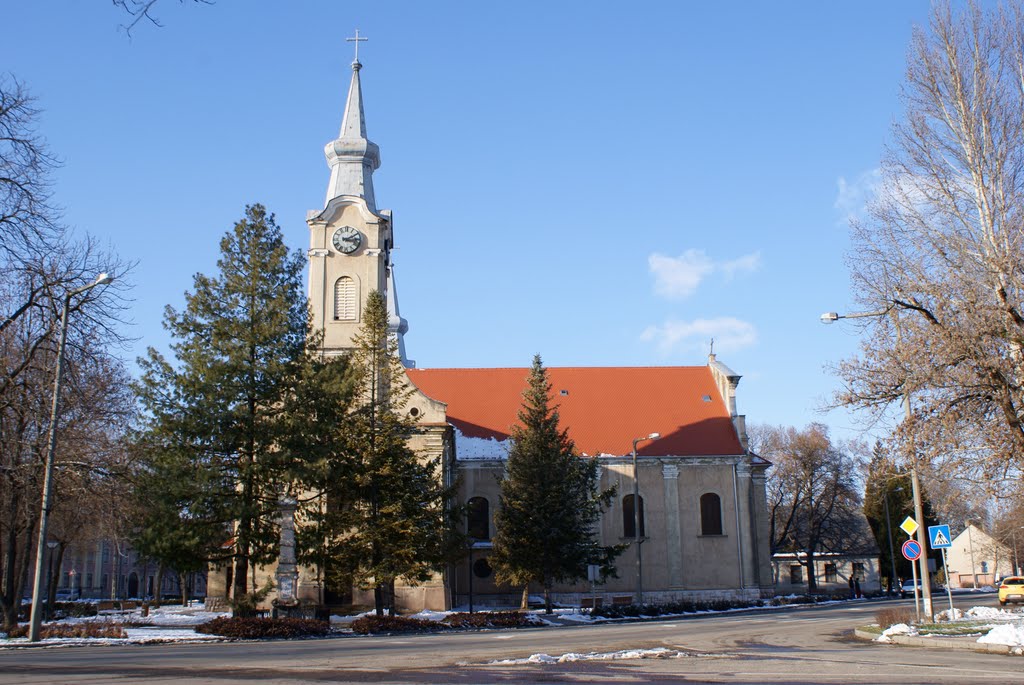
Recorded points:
962,643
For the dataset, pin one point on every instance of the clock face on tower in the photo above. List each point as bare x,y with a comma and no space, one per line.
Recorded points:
347,240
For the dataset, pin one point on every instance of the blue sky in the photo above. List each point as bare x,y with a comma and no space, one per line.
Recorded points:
597,183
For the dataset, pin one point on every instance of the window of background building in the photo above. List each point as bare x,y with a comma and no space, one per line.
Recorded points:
796,574
478,518
830,572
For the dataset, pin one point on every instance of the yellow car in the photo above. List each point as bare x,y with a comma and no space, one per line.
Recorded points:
1011,589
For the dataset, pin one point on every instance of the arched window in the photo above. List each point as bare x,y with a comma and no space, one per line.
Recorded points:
629,519
478,518
346,299
710,514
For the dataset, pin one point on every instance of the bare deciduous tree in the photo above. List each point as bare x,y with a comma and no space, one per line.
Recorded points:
41,262
813,493
942,252
142,9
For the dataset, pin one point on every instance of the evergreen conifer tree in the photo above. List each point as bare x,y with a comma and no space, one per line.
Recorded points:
322,468
398,524
549,503
216,414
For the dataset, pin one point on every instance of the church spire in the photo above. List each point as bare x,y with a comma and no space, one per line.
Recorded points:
396,324
352,157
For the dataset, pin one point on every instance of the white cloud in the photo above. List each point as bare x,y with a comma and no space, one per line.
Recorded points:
745,264
730,335
853,196
679,277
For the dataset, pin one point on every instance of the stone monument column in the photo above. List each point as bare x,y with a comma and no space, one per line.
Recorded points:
287,573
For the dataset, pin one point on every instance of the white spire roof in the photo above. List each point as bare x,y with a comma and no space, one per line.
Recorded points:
352,157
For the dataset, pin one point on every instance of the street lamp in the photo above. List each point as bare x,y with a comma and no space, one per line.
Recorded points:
915,483
888,528
637,542
44,511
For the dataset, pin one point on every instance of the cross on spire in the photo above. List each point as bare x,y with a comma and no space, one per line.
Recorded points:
357,40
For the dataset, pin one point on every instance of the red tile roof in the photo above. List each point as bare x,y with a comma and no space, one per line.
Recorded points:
604,408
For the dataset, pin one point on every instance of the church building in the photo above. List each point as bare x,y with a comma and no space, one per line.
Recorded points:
700,492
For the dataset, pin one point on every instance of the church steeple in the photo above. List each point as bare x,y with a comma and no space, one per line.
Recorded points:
350,240
352,157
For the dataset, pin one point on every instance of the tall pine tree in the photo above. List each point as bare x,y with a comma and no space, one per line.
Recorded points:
549,504
397,524
322,469
217,411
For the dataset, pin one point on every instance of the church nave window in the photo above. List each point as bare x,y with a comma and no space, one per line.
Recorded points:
629,519
710,514
346,299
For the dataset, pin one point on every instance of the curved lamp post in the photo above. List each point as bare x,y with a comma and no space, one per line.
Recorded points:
44,512
637,541
926,589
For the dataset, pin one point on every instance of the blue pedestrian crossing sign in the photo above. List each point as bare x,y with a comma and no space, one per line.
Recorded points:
939,537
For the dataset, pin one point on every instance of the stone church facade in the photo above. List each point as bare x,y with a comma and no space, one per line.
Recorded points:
704,527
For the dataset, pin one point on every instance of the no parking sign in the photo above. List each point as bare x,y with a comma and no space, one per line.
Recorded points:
911,550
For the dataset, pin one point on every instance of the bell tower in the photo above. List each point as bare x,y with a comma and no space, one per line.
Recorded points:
350,240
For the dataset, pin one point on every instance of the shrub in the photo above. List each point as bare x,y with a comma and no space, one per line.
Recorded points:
92,629
365,625
74,609
890,617
248,604
489,619
685,606
250,628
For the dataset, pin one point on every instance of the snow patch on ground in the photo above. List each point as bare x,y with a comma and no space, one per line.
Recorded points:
427,615
657,653
985,613
895,629
1006,634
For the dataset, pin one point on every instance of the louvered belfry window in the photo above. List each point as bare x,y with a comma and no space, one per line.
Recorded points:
346,299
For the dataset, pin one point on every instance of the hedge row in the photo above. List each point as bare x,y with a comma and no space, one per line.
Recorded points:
366,625
92,629
370,624
250,627
489,619
693,606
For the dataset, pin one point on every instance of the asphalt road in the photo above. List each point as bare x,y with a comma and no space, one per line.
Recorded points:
802,645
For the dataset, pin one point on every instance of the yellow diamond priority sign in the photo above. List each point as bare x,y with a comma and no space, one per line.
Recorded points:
909,526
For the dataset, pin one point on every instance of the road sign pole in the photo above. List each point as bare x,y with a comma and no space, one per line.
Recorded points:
949,592
917,597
